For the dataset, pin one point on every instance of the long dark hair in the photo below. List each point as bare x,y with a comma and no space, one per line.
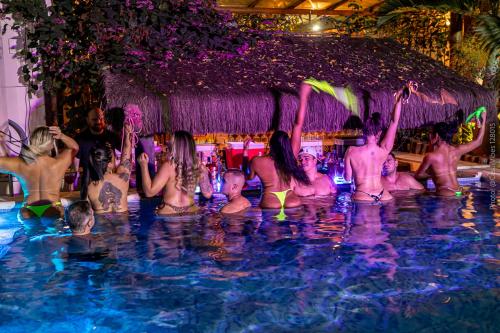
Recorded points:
100,157
185,161
373,125
284,159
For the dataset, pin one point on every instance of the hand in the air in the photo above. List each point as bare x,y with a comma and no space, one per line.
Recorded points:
143,160
305,90
127,129
483,119
56,132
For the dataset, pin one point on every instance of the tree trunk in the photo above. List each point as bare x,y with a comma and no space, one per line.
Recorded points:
455,34
492,70
50,109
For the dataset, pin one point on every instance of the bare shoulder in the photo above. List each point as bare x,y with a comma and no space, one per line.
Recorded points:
405,176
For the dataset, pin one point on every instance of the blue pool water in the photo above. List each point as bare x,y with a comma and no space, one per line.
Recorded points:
418,264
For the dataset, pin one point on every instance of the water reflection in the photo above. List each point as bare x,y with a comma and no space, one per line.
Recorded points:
370,239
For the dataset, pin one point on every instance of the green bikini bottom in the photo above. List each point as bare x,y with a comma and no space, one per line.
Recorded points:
40,207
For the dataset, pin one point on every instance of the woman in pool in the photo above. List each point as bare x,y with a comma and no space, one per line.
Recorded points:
107,188
443,160
178,176
280,172
365,163
41,174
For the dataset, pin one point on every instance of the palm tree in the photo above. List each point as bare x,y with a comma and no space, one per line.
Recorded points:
487,29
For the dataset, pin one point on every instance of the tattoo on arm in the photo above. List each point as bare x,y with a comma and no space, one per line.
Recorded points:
125,167
205,185
126,164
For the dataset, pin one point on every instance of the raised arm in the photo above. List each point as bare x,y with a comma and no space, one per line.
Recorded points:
389,137
125,166
152,188
465,148
305,91
65,158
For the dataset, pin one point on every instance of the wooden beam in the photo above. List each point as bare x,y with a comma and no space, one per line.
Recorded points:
282,11
337,4
373,7
253,4
295,4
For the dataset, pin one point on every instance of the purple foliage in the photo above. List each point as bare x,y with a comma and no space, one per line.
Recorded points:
246,93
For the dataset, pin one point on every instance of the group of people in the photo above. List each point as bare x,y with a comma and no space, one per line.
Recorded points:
287,173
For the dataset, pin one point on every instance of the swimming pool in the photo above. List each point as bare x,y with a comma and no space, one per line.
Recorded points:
420,263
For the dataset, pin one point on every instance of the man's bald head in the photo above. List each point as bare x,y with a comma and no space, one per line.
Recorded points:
234,180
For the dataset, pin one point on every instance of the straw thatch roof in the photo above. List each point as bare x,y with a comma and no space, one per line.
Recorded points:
256,91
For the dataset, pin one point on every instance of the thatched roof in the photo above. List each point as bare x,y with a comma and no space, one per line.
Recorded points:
253,92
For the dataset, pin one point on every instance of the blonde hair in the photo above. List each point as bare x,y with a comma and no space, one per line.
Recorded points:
185,161
41,143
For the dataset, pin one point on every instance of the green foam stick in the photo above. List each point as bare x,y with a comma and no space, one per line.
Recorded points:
476,114
344,95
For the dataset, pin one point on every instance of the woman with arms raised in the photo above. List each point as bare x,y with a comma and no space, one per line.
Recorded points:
40,174
178,177
280,172
107,188
364,164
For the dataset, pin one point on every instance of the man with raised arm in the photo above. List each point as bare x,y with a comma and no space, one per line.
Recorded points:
364,164
443,160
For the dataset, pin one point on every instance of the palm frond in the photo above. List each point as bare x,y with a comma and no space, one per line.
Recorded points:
488,30
391,9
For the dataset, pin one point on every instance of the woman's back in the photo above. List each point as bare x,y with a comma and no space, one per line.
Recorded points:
176,199
110,194
108,189
178,177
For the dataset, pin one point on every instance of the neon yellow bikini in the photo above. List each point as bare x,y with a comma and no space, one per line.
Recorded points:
281,195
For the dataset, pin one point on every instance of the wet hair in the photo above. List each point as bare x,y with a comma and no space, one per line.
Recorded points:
373,125
185,161
99,159
41,143
78,214
444,131
284,159
236,175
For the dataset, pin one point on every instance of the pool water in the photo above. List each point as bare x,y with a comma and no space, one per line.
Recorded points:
417,264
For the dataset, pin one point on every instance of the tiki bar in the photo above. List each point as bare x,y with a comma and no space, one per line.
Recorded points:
249,165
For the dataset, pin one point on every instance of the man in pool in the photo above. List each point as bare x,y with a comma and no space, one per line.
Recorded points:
234,180
365,163
321,185
392,180
80,218
40,173
443,160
